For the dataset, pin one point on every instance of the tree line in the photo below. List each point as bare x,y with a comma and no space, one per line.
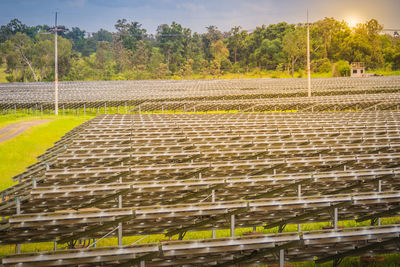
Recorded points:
27,52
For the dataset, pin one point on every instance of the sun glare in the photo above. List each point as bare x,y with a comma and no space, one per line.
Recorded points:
353,22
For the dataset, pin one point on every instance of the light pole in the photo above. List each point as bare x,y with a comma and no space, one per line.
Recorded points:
56,66
308,58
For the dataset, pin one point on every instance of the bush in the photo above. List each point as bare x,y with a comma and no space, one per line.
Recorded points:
226,65
281,67
322,65
341,69
300,74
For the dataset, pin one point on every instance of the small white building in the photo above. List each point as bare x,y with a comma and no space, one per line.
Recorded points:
358,69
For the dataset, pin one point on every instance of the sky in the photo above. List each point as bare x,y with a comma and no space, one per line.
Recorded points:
91,15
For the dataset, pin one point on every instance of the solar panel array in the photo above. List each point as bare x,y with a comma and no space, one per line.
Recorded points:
142,174
192,95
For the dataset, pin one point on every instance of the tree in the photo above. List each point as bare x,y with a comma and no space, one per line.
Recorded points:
213,35
77,36
220,53
130,33
21,53
294,45
236,43
103,36
173,43
326,29
13,27
33,58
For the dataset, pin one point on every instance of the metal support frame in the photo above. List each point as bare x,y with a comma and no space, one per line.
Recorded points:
120,224
306,215
335,218
205,222
142,259
213,200
281,258
281,189
379,214
232,225
193,195
358,250
256,254
299,195
379,190
18,210
281,228
105,199
96,229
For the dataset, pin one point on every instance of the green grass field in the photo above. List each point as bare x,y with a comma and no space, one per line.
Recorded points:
3,75
18,153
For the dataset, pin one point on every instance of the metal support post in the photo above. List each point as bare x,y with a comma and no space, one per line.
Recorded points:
126,108
105,108
142,264
84,109
120,224
281,258
94,242
55,246
18,206
232,225
34,182
213,200
299,195
335,218
379,190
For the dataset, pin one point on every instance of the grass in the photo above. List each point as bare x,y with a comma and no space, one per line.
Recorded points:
385,72
18,153
3,75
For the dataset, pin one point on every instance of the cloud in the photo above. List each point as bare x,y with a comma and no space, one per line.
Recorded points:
190,6
76,3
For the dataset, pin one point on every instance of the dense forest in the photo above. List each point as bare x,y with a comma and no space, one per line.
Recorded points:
27,52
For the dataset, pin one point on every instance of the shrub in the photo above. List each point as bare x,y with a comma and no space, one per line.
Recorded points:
322,65
341,69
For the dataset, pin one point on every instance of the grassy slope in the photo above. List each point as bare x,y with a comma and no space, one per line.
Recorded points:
3,75
18,153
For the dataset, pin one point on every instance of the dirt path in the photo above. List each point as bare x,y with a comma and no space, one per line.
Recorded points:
13,130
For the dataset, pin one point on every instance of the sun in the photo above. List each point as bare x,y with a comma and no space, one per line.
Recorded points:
353,21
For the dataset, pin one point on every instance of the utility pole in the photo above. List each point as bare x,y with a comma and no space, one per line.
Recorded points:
56,68
308,58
